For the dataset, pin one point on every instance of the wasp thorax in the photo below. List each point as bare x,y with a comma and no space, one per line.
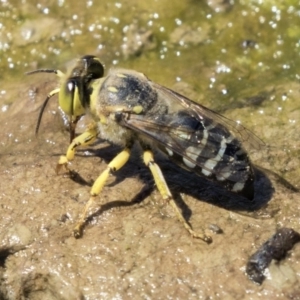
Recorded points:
129,91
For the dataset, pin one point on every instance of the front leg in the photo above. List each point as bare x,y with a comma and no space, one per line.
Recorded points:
117,163
167,196
83,139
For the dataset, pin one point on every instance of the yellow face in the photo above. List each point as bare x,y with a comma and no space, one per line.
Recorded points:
74,93
69,98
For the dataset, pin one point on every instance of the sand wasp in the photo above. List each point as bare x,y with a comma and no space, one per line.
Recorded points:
127,107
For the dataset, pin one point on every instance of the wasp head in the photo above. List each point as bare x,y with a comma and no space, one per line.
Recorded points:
74,92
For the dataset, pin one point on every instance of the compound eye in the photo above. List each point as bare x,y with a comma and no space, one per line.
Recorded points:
93,66
95,70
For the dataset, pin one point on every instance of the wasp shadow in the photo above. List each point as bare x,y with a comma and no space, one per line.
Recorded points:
181,182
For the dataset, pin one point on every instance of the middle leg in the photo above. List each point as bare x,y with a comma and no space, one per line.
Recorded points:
167,196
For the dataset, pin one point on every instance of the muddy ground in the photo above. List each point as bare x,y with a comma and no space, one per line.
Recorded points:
242,59
133,245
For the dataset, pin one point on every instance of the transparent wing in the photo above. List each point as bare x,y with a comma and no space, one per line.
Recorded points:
197,138
185,136
249,140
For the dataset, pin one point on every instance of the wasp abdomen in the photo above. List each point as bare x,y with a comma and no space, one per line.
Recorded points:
208,149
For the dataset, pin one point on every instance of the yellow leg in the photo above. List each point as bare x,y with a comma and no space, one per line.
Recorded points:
167,196
117,163
84,139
